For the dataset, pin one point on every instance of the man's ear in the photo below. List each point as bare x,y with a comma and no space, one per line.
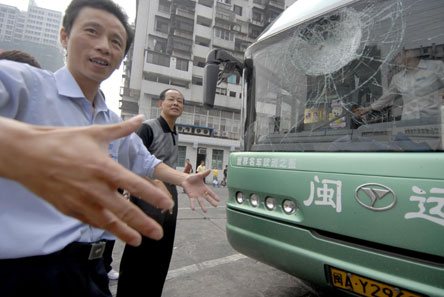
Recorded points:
64,38
159,103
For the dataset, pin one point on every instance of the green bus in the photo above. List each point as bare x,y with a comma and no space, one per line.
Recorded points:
340,178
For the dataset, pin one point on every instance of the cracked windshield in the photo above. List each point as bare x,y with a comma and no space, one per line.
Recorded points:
366,77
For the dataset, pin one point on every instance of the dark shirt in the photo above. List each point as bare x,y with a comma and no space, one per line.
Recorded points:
160,140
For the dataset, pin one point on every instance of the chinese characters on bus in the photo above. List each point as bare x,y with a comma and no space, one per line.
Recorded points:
328,193
431,208
325,192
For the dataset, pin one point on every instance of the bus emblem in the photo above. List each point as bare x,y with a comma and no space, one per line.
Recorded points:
371,196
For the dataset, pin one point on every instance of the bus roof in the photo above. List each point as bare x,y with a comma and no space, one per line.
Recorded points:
301,11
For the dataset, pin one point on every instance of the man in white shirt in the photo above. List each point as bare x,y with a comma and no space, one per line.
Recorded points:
420,84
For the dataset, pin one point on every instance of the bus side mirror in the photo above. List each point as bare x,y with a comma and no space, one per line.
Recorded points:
217,59
210,79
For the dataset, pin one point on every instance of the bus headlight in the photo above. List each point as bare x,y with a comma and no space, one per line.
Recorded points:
270,203
240,198
254,200
289,206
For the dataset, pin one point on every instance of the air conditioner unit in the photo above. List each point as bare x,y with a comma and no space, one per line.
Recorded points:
224,134
180,129
216,133
187,130
202,131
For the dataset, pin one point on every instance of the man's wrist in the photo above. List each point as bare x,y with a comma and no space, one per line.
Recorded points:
12,136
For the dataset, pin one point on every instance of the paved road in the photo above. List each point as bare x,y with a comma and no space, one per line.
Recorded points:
204,264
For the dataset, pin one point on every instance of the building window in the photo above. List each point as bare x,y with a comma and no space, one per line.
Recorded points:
158,59
254,33
200,120
164,7
184,24
196,80
199,62
213,122
232,79
181,156
223,34
182,64
182,45
159,44
232,94
162,25
257,16
218,159
236,28
221,91
237,10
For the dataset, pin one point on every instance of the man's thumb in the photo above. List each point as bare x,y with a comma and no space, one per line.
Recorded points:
124,128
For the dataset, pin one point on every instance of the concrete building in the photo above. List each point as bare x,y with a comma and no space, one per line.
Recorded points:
173,39
35,31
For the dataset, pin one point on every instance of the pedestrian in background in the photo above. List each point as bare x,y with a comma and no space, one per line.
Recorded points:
201,168
141,274
188,168
215,177
224,181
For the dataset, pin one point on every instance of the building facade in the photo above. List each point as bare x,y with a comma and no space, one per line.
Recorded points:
173,39
35,31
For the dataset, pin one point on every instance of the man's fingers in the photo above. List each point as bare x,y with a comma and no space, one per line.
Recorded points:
142,189
122,129
114,225
212,200
206,172
211,197
192,204
132,215
137,186
94,212
122,218
202,205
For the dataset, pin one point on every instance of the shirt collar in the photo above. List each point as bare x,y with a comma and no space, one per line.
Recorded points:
165,127
67,86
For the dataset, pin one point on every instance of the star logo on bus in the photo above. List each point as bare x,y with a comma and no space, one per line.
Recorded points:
375,197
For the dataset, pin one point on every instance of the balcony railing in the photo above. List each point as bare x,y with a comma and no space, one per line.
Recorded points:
183,33
129,106
278,4
185,13
164,9
125,91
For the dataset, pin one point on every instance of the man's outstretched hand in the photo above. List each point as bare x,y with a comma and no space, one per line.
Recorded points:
196,189
71,169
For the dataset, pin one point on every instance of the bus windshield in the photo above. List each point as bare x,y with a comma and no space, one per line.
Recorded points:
365,77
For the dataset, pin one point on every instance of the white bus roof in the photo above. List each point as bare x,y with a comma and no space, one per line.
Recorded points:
301,11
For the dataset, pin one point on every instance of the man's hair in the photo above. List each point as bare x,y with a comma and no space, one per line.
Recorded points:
19,56
163,93
73,9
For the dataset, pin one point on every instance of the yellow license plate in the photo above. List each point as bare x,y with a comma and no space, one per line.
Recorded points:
364,286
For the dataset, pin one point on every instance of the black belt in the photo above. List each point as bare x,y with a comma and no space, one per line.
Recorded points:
77,250
90,251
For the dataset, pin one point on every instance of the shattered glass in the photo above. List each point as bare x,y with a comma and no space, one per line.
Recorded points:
312,83
337,35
